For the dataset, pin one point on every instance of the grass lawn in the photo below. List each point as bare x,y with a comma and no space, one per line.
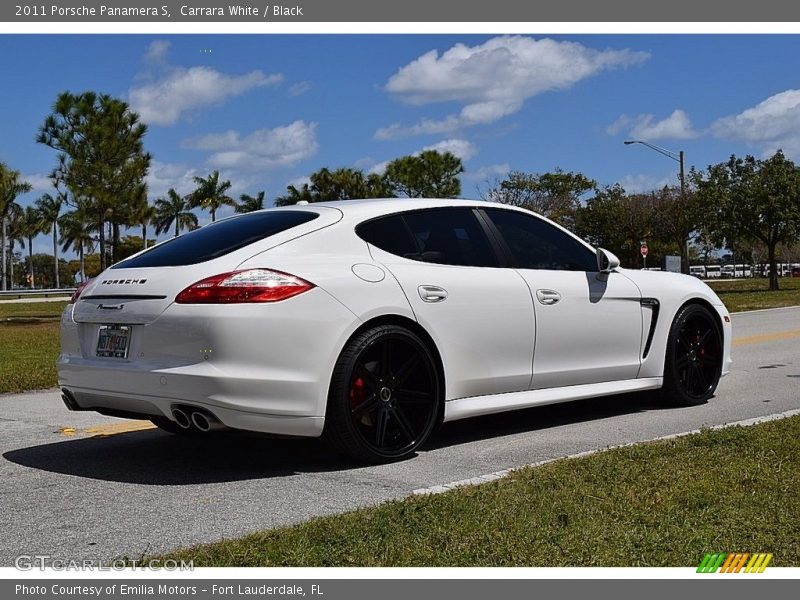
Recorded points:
752,294
36,310
29,345
655,504
28,352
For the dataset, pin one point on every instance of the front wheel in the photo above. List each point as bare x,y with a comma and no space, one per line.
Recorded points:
384,397
694,357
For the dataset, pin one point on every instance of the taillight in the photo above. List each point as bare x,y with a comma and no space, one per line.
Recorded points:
79,290
252,285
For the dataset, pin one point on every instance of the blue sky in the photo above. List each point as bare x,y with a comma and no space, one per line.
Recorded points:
268,110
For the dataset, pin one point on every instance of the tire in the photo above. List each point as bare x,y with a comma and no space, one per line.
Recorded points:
385,396
693,362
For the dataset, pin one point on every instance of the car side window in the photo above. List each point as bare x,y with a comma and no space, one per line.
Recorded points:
450,236
535,244
391,235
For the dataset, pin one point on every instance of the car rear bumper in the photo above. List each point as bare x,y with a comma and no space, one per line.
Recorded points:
143,406
263,368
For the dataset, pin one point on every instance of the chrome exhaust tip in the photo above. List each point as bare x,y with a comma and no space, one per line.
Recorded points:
69,400
181,418
206,423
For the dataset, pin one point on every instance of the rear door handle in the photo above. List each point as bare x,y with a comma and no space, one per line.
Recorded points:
432,293
548,297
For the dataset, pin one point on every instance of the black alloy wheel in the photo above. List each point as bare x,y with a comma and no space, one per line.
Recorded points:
385,396
694,357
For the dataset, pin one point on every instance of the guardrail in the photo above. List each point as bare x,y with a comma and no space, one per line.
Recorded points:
28,293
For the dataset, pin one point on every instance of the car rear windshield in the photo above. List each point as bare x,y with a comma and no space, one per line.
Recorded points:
217,239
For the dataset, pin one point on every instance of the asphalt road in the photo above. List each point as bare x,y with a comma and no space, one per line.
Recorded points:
82,486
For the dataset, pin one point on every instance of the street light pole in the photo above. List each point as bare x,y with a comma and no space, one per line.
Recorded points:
679,157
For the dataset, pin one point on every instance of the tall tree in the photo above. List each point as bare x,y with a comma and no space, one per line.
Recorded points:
553,195
174,211
680,219
11,186
101,156
49,209
248,203
31,225
618,221
340,184
756,200
211,194
76,234
429,174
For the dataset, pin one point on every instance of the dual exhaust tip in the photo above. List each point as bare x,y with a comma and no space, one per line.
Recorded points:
194,418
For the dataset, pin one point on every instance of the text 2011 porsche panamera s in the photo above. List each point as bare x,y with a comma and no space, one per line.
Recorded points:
369,322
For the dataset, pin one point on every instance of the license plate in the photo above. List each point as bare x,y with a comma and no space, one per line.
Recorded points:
113,341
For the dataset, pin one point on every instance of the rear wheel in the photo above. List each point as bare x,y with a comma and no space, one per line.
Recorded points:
694,357
384,397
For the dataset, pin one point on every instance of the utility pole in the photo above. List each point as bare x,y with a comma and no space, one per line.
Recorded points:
678,157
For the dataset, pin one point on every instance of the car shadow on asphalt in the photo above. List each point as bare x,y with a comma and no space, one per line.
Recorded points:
152,457
539,418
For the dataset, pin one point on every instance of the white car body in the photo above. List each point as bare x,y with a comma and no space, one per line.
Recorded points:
507,338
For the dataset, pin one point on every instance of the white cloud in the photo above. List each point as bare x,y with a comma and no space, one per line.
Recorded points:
676,126
639,184
299,182
39,182
300,88
488,172
157,51
163,176
463,149
379,168
181,90
262,149
771,124
494,79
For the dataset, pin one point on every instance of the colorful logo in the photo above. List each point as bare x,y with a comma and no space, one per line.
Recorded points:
734,562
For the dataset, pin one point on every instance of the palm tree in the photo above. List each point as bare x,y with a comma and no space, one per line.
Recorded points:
248,203
76,234
144,214
11,186
49,209
210,194
174,210
13,236
30,225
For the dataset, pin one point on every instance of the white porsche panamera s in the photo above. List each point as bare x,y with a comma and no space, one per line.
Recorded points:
371,321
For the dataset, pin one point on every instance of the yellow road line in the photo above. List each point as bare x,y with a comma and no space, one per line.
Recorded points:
109,429
766,337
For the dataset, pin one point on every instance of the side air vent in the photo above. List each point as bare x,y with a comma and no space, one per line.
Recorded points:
654,306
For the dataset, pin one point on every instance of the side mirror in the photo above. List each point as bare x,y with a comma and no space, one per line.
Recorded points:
606,261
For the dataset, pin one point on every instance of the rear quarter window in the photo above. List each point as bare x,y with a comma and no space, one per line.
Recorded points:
218,239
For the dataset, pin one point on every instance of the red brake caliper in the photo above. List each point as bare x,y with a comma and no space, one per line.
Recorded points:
356,392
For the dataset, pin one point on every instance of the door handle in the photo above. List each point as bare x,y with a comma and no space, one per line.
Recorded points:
548,297
432,293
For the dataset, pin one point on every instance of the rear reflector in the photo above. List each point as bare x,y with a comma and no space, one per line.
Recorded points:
79,290
252,285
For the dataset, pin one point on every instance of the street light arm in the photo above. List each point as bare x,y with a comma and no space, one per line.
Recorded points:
668,153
